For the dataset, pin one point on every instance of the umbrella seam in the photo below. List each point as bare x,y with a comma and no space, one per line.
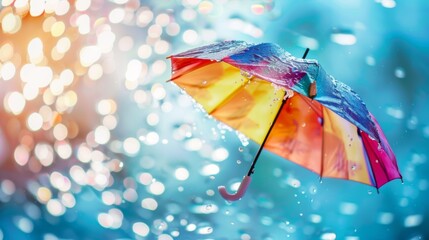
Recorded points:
228,98
323,145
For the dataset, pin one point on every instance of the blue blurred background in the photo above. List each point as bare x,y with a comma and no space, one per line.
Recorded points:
95,144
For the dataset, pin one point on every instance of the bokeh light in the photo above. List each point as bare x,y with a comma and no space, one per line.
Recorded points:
95,143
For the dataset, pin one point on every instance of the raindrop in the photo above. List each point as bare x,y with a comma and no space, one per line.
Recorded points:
240,149
343,37
208,207
399,72
238,161
385,218
370,60
348,208
412,122
388,3
277,172
204,82
413,220
353,167
315,218
191,227
369,192
304,124
320,120
395,112
205,230
160,225
246,74
328,236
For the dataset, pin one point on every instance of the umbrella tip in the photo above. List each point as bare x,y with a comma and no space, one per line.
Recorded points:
305,53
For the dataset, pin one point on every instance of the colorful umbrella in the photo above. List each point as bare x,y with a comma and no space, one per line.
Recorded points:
290,106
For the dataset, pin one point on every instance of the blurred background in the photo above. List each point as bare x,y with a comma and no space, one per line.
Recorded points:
95,144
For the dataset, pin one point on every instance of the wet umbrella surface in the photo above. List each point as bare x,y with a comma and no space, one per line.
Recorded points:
289,106
95,144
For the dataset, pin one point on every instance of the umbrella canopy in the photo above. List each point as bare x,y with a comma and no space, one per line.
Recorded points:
269,96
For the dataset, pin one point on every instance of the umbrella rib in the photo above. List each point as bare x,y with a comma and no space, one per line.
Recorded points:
323,147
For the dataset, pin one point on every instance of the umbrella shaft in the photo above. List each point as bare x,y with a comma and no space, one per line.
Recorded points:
255,159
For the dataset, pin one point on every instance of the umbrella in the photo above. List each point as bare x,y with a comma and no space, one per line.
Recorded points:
290,106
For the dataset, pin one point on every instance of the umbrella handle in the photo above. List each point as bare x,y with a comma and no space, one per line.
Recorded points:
240,192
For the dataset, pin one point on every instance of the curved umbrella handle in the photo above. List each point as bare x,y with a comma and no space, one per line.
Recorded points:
240,192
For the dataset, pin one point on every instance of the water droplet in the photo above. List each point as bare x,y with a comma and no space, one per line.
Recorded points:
204,82
353,167
399,72
246,74
369,192
320,120
208,206
376,160
227,212
304,124
343,37
370,60
160,225
212,177
413,220
238,161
